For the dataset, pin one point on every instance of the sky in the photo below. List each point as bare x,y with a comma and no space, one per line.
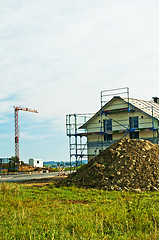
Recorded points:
56,56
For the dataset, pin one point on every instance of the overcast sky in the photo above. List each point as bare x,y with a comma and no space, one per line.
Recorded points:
56,56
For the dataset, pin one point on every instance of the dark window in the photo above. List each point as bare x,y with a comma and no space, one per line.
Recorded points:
134,135
37,162
107,125
134,123
108,137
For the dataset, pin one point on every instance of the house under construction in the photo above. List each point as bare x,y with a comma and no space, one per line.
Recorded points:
119,117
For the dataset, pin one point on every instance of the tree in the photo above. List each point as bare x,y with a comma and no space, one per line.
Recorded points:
14,161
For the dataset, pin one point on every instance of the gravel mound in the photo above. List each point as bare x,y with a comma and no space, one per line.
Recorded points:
128,164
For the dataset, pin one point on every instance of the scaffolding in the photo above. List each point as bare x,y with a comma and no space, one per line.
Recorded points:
80,131
105,98
77,137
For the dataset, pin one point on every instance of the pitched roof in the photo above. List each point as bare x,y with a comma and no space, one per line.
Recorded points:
149,107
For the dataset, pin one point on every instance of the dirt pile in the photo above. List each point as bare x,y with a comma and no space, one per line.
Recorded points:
25,167
125,165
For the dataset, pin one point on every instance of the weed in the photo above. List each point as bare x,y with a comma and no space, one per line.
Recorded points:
75,213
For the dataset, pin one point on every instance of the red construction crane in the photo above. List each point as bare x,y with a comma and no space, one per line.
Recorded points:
16,109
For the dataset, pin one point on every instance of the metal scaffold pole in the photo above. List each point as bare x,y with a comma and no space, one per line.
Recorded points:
76,156
68,132
153,126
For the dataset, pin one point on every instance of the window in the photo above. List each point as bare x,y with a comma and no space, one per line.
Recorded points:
134,123
37,162
108,137
107,125
134,135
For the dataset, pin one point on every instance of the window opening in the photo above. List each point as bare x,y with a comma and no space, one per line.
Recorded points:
134,135
108,137
134,123
107,125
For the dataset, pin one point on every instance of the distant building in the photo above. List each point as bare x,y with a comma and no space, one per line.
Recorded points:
4,160
36,162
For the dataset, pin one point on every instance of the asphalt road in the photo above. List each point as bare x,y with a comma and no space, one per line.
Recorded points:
26,177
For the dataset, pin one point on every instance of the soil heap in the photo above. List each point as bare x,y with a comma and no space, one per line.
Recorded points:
128,164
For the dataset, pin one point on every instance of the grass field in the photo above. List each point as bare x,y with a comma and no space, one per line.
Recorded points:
46,212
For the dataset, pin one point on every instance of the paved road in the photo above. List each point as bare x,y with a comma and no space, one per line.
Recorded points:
26,177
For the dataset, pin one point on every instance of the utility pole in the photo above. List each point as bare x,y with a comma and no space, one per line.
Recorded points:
16,110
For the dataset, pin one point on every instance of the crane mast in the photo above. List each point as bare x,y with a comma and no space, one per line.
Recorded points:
16,110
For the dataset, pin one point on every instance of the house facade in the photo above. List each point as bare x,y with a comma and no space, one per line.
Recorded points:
122,117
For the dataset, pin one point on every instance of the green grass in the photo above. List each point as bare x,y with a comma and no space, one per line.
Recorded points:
33,212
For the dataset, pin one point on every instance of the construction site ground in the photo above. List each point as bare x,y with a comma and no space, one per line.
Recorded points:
127,165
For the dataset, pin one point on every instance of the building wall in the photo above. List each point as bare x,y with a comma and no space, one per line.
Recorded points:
36,162
5,160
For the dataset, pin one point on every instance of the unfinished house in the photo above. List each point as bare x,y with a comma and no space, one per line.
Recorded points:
120,117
